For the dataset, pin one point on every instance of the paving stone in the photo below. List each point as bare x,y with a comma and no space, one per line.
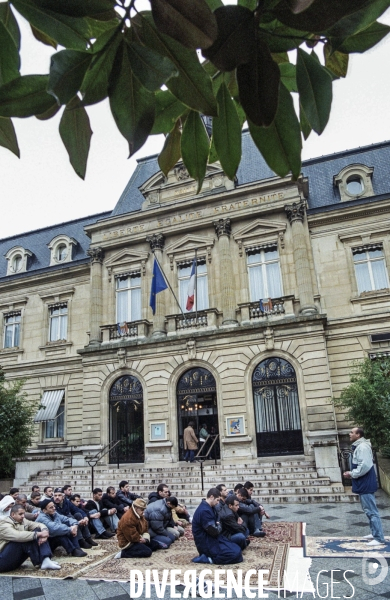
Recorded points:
30,593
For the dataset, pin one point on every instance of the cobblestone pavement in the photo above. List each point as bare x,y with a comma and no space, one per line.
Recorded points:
327,574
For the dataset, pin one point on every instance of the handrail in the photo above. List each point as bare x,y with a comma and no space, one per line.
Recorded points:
202,457
93,460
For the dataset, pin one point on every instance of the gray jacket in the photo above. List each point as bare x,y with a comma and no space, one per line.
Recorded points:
362,457
57,524
159,517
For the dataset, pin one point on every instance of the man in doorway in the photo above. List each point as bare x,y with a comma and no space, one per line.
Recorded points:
212,546
364,483
190,442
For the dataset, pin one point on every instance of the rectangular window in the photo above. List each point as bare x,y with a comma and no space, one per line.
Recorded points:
12,329
58,325
201,292
128,298
370,269
55,427
264,273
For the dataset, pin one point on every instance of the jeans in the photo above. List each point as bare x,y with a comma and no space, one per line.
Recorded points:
112,522
164,539
240,540
97,524
68,542
369,506
82,530
15,553
189,455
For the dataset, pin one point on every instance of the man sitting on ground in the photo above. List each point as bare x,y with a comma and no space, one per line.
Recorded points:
233,527
248,512
212,546
14,492
248,485
125,496
161,493
133,537
6,504
47,493
161,525
35,501
75,500
62,530
21,539
222,500
35,488
111,500
28,509
67,509
68,491
97,504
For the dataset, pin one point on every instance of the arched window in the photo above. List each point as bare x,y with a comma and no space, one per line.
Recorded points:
127,419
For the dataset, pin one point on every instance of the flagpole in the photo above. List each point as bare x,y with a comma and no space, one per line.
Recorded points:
169,285
196,286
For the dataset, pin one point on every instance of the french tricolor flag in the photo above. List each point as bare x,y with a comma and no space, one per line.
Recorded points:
191,288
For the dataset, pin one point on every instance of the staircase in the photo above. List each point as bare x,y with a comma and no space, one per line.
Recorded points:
293,481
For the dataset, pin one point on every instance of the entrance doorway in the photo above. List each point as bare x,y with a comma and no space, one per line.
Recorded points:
276,404
127,419
197,401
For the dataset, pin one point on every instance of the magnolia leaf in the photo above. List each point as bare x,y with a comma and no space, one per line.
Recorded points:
356,22
362,40
7,18
195,145
240,112
75,132
75,8
249,4
213,4
288,73
190,22
227,133
42,37
151,69
48,114
132,106
8,136
279,38
168,110
258,83
70,32
298,6
304,123
336,62
213,154
193,86
25,96
236,39
280,57
67,70
171,152
280,144
315,90
94,87
9,45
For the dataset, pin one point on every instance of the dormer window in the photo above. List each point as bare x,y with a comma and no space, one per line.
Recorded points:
17,259
354,181
61,248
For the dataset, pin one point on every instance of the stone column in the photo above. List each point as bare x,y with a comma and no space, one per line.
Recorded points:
296,214
96,301
223,231
156,242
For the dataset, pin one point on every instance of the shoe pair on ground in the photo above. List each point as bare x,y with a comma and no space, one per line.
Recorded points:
373,542
87,543
258,533
105,535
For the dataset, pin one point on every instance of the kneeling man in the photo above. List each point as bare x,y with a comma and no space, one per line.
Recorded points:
133,537
21,539
212,546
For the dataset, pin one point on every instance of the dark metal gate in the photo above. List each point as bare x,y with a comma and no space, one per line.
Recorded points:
127,420
276,404
197,401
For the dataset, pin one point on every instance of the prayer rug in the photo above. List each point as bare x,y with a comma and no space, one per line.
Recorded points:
344,547
70,566
281,531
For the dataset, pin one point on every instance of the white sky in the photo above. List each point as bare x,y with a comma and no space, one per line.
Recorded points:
42,189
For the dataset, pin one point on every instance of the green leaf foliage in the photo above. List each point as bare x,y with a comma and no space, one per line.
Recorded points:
49,113
258,84
288,73
315,90
103,9
236,39
280,38
298,6
190,22
336,62
151,69
42,37
195,145
8,136
168,110
71,32
280,144
25,96
94,87
363,40
75,132
213,4
304,123
249,4
67,70
171,152
9,45
16,423
193,86
366,400
227,133
359,20
213,154
132,106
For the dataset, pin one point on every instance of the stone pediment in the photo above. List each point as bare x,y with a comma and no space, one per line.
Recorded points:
159,189
126,260
260,232
184,249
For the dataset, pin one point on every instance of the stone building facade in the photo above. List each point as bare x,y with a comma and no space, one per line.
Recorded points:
292,285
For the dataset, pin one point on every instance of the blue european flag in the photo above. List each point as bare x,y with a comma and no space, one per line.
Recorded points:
158,285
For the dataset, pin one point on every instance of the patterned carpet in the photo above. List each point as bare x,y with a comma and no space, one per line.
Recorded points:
343,547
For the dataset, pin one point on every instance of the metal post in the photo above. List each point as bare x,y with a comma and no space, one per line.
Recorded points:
201,472
117,454
92,476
